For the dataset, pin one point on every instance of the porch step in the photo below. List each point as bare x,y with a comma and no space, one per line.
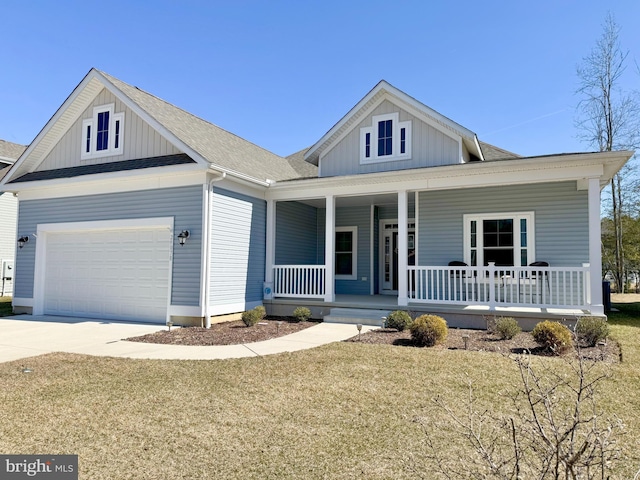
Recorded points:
354,316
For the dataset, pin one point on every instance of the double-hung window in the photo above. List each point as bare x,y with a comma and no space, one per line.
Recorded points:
507,239
102,133
386,139
346,255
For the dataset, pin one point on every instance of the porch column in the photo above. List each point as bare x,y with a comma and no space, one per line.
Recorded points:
329,250
403,248
595,254
270,242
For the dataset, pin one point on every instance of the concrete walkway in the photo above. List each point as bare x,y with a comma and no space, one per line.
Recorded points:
24,336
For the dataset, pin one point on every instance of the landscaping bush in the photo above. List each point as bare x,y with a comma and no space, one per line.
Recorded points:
590,330
251,317
552,336
302,314
399,319
507,328
428,330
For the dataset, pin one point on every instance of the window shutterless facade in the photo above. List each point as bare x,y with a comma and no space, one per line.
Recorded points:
507,239
102,133
386,139
346,253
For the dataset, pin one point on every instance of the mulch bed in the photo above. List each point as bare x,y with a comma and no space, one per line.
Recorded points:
482,340
227,333
237,333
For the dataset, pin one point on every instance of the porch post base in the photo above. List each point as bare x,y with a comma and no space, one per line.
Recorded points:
597,310
403,301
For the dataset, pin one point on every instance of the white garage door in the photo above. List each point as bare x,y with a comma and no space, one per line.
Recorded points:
119,274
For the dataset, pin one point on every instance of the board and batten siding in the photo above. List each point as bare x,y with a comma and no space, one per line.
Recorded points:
182,203
8,237
430,148
139,139
238,249
296,234
561,220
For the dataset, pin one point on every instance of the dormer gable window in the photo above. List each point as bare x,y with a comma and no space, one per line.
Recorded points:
102,133
386,139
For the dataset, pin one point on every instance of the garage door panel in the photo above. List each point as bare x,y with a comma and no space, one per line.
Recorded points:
112,274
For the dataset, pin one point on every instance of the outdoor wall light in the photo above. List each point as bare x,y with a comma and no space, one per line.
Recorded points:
182,236
22,240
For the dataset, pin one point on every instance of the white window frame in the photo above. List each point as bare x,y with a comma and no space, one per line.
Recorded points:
92,123
517,249
354,253
372,130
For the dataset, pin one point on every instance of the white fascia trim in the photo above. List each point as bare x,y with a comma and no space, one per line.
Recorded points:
480,174
145,179
33,190
84,83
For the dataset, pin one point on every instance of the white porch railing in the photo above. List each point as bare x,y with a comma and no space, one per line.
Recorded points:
555,287
549,287
303,281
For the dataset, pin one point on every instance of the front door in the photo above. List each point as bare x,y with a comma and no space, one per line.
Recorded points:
389,267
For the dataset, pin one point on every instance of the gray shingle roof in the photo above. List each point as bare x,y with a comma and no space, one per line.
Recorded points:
491,152
104,168
11,150
216,145
304,168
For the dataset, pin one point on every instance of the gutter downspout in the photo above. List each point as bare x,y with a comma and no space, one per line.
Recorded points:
206,246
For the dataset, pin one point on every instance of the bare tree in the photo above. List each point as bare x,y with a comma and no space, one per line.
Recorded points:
608,119
553,431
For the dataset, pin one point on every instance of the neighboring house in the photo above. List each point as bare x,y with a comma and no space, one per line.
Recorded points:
9,153
136,209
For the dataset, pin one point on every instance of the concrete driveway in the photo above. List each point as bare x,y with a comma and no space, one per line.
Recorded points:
24,336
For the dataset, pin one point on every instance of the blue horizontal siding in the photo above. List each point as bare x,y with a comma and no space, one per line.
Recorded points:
238,248
561,220
183,203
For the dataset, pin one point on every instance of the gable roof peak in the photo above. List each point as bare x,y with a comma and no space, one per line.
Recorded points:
384,90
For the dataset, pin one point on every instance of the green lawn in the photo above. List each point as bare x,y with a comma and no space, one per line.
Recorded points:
345,410
5,306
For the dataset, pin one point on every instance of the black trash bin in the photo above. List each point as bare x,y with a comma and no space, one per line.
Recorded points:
606,295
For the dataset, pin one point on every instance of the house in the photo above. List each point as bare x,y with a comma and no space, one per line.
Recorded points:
135,209
9,152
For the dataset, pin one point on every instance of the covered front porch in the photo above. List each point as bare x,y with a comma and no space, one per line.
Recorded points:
528,251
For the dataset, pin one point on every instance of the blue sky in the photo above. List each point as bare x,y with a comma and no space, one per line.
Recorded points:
282,73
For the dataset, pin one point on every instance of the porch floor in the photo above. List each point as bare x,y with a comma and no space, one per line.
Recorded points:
457,316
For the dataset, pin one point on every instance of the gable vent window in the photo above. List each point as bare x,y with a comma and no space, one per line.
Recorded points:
391,137
102,133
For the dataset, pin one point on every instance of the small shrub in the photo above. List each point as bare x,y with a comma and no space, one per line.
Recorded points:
507,328
590,330
428,330
399,319
302,314
552,336
251,317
